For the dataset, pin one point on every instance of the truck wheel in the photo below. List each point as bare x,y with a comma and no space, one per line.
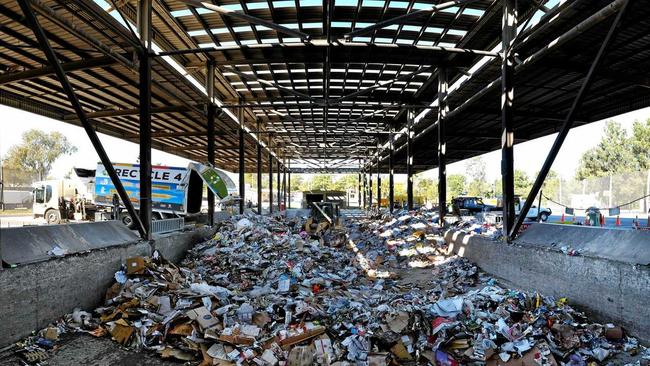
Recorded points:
53,216
543,216
128,221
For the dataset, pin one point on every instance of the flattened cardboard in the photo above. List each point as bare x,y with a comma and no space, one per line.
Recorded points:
528,359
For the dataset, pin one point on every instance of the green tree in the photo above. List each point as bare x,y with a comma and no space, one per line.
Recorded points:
426,188
347,181
551,186
522,183
251,178
321,182
455,185
475,169
37,151
297,182
640,143
613,154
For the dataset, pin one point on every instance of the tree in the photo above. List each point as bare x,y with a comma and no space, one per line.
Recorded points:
551,186
345,182
321,182
613,154
522,183
37,151
251,178
426,188
640,143
297,183
475,169
455,185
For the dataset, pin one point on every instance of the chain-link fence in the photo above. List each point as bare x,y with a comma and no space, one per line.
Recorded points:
629,192
16,188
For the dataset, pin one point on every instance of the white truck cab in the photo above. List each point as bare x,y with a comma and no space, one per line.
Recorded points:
51,195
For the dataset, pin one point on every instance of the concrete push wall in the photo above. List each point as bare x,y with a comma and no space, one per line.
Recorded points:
36,294
611,291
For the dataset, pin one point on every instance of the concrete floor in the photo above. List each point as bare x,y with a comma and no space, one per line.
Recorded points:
81,349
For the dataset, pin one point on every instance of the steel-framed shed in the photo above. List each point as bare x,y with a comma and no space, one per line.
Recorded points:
356,86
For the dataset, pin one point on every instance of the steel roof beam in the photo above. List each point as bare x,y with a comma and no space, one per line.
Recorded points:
272,84
128,112
247,18
49,70
73,29
403,18
569,120
596,18
40,35
324,44
356,104
383,84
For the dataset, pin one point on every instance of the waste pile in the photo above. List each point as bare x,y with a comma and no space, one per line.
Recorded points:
261,291
401,241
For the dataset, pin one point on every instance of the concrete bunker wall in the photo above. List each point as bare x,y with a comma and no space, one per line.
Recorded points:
611,291
36,294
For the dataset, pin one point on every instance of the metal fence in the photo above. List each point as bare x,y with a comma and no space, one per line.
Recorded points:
15,188
167,225
629,192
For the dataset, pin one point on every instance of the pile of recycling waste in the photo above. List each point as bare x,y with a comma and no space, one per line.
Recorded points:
261,291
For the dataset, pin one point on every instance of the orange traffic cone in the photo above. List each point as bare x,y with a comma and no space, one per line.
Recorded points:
618,220
562,217
602,220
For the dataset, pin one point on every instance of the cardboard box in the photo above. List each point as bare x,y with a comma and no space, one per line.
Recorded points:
202,316
134,265
301,356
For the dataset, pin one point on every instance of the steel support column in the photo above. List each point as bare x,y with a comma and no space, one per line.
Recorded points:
242,166
144,28
289,186
270,175
378,178
568,121
391,171
443,108
509,32
364,190
53,60
211,112
284,186
359,189
259,171
410,116
370,186
279,196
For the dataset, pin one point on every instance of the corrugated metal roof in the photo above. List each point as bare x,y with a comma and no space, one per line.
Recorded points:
325,103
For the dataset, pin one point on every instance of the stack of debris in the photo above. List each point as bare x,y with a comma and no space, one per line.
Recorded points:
262,292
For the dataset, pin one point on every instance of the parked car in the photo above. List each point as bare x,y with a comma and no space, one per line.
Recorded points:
469,204
544,212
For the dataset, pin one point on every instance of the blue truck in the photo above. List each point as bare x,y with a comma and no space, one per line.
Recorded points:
175,191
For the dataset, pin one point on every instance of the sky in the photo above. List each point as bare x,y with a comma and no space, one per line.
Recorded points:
529,155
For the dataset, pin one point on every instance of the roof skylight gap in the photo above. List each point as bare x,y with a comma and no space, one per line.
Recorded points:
181,70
